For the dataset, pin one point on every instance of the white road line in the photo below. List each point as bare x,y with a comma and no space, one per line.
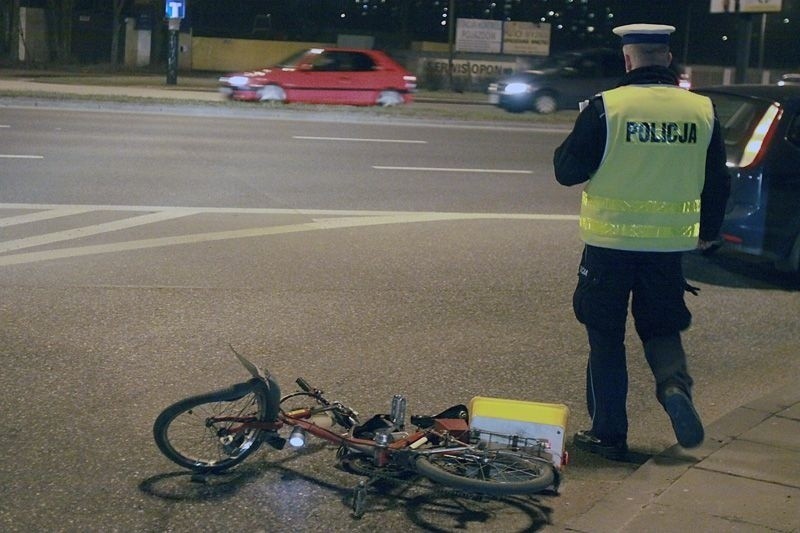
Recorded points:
77,233
445,169
16,156
348,219
356,139
5,126
222,210
44,215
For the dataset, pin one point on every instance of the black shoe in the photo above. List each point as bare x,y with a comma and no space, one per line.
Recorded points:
614,450
685,420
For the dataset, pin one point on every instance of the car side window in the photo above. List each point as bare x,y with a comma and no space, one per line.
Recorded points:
793,134
361,62
326,62
587,67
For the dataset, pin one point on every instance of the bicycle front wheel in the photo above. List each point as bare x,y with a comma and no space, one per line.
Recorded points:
206,434
490,472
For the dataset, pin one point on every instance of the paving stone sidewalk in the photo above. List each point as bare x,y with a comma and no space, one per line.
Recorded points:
745,477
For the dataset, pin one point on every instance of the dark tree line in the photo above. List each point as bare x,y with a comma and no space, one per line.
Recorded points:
59,25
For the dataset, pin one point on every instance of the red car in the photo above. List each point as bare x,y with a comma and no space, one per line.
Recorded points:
326,76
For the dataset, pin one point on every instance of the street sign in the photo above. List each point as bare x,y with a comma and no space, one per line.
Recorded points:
175,9
746,6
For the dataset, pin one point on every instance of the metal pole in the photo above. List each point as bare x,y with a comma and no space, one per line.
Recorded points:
686,33
744,24
451,31
172,51
762,38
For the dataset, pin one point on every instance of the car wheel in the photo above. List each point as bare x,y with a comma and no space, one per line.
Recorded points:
545,103
389,98
271,93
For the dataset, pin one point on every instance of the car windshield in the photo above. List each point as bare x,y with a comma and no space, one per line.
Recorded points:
738,117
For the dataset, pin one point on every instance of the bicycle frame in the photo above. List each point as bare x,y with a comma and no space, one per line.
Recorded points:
440,448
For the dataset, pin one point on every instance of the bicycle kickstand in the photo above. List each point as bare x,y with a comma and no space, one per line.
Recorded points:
360,498
360,495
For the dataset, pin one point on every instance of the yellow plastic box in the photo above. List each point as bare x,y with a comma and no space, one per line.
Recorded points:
495,418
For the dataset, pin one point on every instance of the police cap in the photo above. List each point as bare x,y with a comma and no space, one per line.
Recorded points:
644,33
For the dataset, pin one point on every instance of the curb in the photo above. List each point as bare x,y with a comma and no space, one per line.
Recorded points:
636,505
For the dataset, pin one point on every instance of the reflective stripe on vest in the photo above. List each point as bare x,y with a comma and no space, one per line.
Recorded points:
641,206
645,195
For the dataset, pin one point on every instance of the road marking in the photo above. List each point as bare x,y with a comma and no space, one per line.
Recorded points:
326,220
95,229
445,169
356,139
44,215
16,156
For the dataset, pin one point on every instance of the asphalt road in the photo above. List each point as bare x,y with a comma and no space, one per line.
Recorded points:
432,260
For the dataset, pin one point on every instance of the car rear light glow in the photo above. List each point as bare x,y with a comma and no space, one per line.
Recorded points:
757,140
732,238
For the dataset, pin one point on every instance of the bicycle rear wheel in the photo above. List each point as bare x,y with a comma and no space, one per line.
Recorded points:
490,472
204,433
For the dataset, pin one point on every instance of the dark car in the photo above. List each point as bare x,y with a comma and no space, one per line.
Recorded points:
761,126
789,79
350,76
559,81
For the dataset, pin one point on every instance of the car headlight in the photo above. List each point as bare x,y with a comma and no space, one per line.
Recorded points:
517,88
236,81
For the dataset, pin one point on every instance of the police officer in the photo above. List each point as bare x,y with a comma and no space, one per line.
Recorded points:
653,160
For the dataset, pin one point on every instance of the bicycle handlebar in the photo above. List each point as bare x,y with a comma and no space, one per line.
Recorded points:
303,384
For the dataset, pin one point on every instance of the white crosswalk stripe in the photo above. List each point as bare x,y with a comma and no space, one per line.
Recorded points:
316,220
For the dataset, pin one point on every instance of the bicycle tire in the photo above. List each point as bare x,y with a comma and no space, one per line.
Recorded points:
489,472
186,434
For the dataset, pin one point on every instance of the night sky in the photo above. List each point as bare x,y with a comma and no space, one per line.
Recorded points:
700,37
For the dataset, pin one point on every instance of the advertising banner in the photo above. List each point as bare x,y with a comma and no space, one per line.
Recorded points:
526,38
478,35
746,6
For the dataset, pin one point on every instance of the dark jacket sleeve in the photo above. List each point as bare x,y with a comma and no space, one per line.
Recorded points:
716,188
580,154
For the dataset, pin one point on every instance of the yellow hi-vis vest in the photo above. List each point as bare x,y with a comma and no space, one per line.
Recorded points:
645,195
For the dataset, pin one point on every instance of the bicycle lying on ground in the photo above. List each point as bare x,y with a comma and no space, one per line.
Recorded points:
210,433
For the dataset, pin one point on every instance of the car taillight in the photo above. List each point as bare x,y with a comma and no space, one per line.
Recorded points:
759,137
727,237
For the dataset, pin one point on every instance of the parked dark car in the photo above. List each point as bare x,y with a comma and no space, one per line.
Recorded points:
761,126
559,81
789,79
348,76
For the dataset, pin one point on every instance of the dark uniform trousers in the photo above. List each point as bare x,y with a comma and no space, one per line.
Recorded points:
654,284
